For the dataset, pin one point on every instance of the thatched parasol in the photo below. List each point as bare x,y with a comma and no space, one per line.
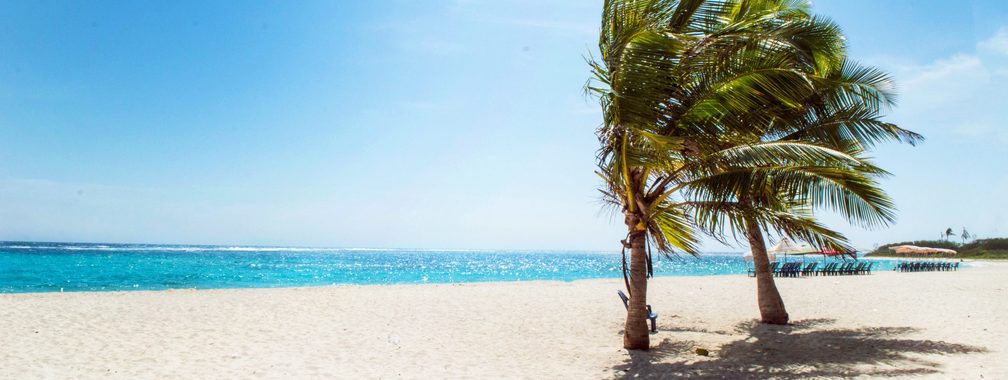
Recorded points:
915,250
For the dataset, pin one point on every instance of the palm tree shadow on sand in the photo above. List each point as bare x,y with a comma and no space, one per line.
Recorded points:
796,351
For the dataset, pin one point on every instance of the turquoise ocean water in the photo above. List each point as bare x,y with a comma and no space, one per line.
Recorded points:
54,267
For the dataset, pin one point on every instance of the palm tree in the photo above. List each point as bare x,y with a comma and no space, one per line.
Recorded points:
965,235
681,84
948,233
840,121
689,90
638,50
812,159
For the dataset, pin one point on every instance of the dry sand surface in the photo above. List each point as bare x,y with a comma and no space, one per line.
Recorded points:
943,325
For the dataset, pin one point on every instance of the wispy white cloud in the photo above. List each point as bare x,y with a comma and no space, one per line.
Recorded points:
941,81
956,101
998,43
952,67
958,96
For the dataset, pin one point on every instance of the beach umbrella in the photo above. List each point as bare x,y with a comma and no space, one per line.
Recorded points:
946,251
832,252
915,250
802,254
941,251
824,253
905,249
843,254
920,250
787,246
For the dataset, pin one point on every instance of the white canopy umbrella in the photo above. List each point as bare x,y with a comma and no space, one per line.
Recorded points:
785,245
789,247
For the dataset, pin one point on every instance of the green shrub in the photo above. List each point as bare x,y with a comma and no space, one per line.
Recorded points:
987,244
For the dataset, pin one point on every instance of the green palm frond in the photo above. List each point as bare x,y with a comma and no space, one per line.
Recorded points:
671,228
716,113
853,195
776,153
802,226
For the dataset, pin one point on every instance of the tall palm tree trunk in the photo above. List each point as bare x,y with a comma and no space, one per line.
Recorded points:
635,332
771,306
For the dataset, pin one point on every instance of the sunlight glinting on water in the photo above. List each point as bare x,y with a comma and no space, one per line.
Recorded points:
47,267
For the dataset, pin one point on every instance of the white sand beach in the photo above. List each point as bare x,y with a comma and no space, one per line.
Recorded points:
941,325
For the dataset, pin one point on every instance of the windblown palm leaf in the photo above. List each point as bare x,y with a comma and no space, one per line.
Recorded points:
733,118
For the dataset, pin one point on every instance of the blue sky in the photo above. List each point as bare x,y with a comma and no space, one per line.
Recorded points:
452,124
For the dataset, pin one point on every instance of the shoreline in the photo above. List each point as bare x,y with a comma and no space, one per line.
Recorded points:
937,324
348,284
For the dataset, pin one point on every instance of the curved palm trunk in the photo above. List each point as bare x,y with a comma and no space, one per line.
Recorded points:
771,306
635,333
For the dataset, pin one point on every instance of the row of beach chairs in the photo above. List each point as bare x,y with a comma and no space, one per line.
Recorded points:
924,266
811,269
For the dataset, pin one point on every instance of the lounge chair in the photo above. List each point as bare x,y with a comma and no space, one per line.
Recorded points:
790,270
809,269
830,269
860,268
839,269
779,272
826,269
651,315
836,270
796,270
787,269
774,269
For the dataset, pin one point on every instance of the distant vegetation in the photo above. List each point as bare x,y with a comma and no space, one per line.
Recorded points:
996,248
